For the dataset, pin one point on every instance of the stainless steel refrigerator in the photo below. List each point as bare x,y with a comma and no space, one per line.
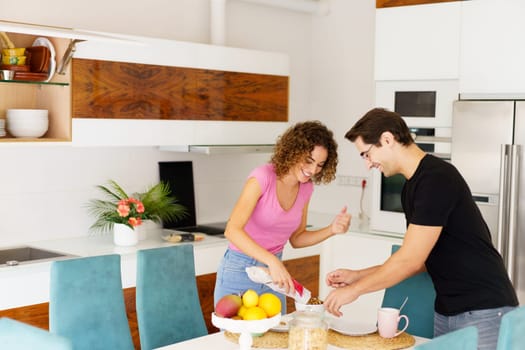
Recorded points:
488,146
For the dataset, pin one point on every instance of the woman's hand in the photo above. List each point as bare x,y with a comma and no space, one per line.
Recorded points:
341,222
341,278
280,276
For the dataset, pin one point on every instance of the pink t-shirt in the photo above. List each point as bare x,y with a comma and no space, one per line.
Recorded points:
270,225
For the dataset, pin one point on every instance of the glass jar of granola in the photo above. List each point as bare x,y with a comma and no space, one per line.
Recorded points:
308,331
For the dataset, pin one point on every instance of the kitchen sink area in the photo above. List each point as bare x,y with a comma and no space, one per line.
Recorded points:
26,254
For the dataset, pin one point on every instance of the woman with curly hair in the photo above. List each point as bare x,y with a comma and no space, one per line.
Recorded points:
272,210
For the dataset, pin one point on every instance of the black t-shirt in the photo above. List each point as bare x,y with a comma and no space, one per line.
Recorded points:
467,271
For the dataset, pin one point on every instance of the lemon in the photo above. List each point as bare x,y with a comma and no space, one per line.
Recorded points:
270,303
250,298
242,311
254,313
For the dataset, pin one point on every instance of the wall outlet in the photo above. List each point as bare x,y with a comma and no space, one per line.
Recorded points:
346,180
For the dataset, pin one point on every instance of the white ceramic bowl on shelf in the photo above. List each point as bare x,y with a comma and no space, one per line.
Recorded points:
27,122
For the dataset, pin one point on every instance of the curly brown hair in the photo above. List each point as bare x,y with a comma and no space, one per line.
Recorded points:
298,142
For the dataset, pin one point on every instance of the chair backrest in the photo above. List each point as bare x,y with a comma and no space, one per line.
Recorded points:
462,339
168,307
87,303
420,306
16,335
511,330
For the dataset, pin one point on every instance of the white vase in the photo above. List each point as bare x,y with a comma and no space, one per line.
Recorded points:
124,235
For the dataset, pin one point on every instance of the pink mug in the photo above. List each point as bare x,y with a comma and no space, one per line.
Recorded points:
388,320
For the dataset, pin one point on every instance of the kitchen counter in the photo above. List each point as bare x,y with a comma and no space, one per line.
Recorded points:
28,283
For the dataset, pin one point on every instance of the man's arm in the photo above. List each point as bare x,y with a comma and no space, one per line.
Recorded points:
407,261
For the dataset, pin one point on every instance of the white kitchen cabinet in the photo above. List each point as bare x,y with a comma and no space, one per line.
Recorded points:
173,135
355,251
492,50
164,52
418,42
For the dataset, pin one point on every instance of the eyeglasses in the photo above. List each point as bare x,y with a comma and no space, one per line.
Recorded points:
364,154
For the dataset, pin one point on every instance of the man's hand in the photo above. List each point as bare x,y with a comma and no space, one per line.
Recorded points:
341,278
339,297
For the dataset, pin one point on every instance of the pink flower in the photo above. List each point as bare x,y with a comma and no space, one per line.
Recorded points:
135,221
123,208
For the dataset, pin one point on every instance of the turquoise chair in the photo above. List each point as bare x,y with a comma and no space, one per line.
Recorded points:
86,303
168,307
511,330
420,306
461,339
16,335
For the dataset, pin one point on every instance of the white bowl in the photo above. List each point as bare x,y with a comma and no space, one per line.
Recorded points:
245,328
27,113
27,130
38,123
319,308
27,122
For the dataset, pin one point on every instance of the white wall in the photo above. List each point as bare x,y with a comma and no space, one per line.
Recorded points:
342,90
43,188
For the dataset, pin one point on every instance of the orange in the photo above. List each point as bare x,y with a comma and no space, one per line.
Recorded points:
270,303
250,298
254,313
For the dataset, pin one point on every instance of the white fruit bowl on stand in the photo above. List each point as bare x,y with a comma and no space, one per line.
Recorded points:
245,328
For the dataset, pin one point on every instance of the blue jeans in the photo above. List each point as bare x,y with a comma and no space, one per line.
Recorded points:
233,279
487,322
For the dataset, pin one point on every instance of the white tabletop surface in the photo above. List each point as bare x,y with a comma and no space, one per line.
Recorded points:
217,341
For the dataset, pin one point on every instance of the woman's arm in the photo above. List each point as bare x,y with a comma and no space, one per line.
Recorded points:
303,238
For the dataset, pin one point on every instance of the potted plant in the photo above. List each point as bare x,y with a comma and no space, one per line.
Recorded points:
121,210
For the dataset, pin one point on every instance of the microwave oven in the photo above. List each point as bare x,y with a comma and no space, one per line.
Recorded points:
422,103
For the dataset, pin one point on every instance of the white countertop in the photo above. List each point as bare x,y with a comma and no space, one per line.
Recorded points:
28,283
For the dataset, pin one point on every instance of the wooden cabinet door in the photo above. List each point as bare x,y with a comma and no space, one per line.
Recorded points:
395,3
122,90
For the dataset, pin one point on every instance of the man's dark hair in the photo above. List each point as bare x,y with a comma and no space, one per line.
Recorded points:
375,122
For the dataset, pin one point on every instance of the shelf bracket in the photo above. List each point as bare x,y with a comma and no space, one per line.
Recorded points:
61,69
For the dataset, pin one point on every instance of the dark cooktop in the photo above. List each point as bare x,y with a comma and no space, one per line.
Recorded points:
213,229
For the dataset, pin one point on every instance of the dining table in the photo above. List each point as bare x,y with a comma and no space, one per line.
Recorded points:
218,341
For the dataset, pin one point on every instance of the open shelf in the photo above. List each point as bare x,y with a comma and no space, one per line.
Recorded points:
53,95
35,82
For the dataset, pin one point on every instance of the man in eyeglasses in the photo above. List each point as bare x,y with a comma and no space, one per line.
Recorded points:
446,235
